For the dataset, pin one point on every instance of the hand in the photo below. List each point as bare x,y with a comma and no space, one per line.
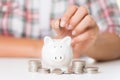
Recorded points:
77,23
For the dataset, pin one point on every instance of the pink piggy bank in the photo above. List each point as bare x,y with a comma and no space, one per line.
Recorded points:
57,53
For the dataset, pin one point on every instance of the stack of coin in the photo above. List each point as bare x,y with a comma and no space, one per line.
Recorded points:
78,66
44,70
34,65
91,70
57,71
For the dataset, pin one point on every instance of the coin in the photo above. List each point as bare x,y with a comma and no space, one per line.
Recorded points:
91,70
78,63
44,70
34,65
33,69
57,71
37,62
78,66
77,70
59,23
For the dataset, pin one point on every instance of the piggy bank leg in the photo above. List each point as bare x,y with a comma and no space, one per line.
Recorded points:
64,69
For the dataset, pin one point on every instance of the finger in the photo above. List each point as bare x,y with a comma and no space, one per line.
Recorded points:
78,16
55,25
68,14
86,23
84,37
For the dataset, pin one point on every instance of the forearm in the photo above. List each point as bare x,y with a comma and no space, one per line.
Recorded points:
106,47
20,47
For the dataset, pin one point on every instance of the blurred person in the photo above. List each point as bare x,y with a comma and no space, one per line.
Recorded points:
94,25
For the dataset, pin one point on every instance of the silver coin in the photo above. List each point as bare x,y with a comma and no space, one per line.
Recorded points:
57,71
34,65
44,70
34,62
33,69
77,71
91,70
59,24
78,66
78,63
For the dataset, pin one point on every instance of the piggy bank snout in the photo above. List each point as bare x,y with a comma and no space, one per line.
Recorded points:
58,58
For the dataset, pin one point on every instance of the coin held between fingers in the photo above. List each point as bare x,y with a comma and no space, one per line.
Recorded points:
59,23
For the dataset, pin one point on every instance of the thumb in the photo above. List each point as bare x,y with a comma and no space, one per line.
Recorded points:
55,24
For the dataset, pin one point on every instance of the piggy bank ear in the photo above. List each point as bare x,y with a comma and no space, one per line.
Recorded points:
47,40
67,40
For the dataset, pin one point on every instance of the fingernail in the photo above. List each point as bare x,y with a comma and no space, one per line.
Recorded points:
56,24
73,33
62,23
69,27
